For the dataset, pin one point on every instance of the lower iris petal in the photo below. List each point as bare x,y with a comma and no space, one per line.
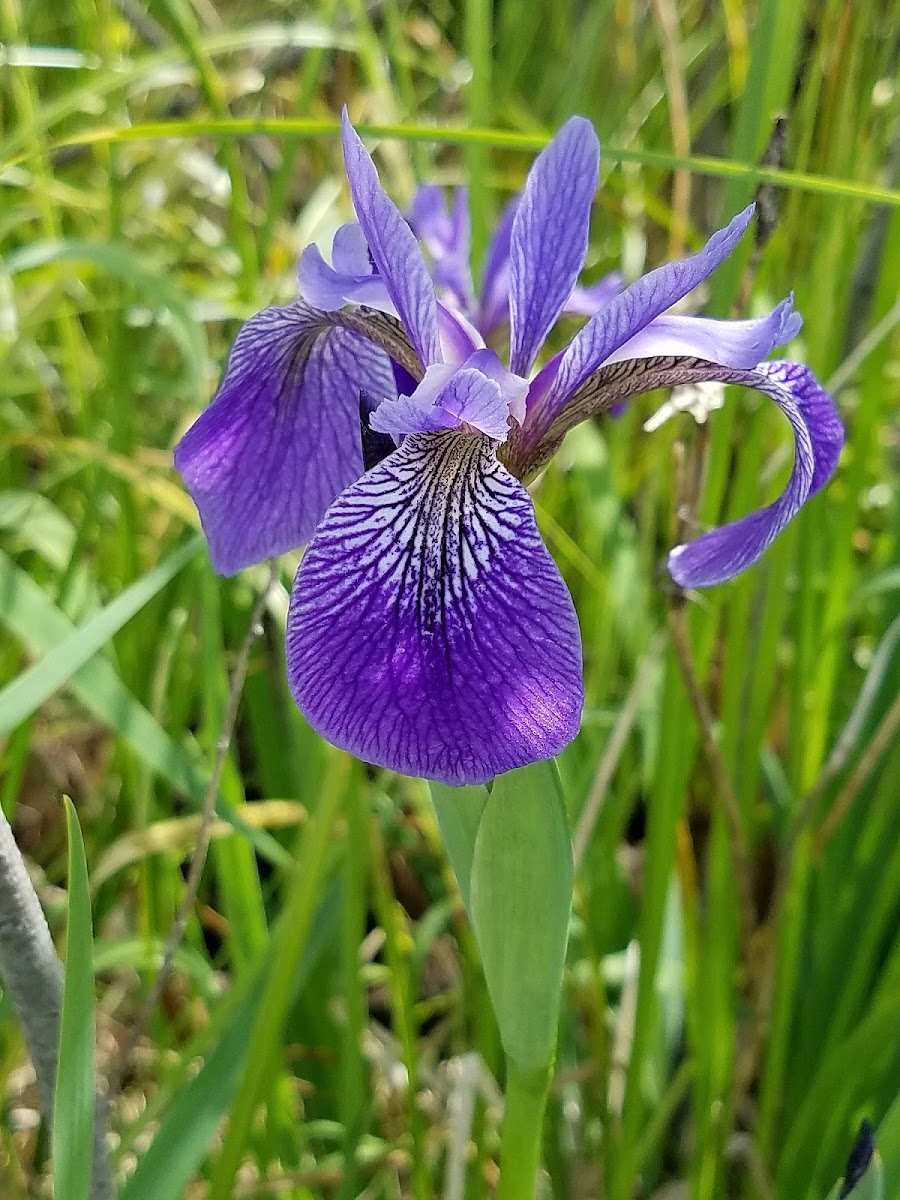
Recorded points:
430,630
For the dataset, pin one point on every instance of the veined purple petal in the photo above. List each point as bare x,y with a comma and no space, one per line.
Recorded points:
587,301
731,343
447,238
550,237
634,308
478,395
819,435
325,287
394,249
411,414
429,629
494,307
281,438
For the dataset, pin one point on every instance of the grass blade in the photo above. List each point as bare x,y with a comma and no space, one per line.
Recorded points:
73,1101
28,692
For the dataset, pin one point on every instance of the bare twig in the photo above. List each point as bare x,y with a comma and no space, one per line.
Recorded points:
32,977
843,748
198,858
835,763
881,739
613,752
724,788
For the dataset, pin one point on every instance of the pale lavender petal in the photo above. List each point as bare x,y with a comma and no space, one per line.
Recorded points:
429,630
410,414
324,287
731,343
550,237
447,238
513,388
467,396
411,411
478,402
634,308
459,337
819,435
587,301
494,306
394,249
350,251
281,438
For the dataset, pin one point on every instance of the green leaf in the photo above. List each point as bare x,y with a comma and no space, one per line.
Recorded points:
73,1101
459,811
123,263
38,524
307,127
288,945
33,618
520,899
179,1146
28,692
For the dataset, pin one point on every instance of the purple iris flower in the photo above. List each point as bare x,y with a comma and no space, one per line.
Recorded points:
429,629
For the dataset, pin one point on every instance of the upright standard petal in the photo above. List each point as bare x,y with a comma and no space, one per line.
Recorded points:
493,309
550,237
447,238
281,438
725,552
633,309
394,249
429,629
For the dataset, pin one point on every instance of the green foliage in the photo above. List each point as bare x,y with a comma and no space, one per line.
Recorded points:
162,166
73,1099
520,897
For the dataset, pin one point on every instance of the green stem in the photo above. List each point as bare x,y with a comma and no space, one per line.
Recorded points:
521,1135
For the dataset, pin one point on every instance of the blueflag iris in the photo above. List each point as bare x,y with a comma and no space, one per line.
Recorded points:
429,629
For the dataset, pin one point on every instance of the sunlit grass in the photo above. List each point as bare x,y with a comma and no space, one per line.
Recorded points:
159,190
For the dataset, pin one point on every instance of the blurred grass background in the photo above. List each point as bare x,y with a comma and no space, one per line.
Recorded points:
732,994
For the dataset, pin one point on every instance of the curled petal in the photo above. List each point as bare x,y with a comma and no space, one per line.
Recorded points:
731,343
325,287
549,237
350,251
429,629
447,237
394,249
633,309
281,438
725,552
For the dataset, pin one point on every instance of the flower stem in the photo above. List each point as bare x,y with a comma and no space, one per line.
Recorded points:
520,1138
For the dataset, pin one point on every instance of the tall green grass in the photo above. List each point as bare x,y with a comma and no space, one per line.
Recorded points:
162,166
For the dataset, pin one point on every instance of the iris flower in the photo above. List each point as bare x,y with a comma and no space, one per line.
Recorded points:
429,629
